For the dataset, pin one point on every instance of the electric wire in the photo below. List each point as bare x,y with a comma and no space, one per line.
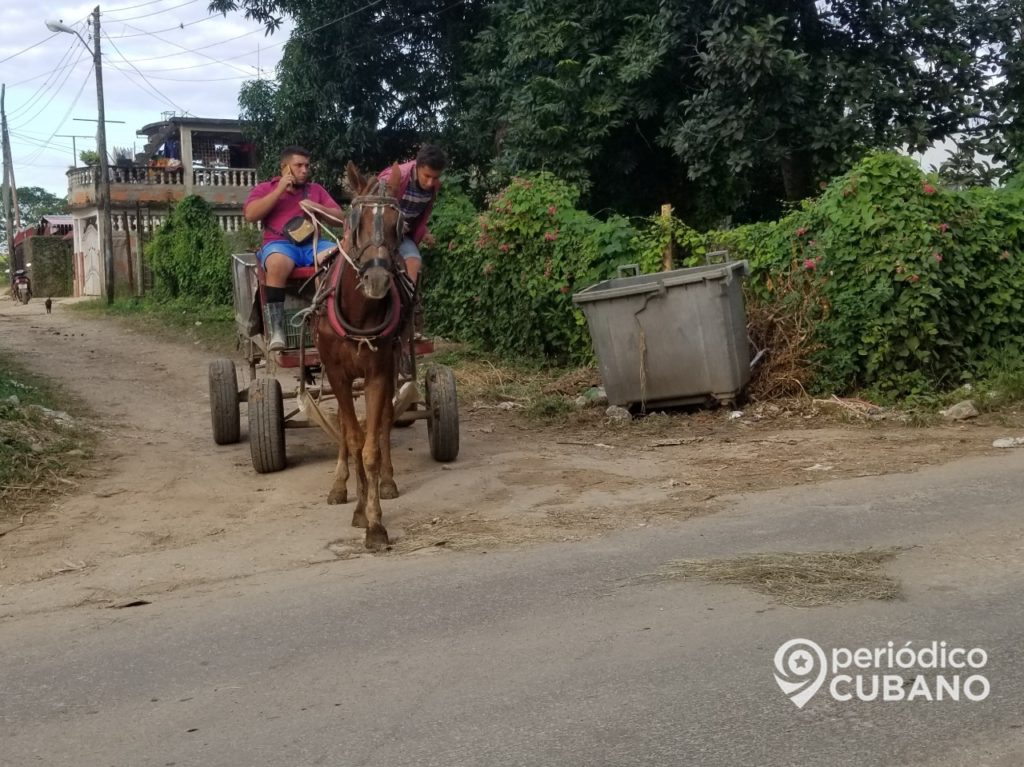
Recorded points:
24,121
204,55
26,50
148,15
166,99
64,119
176,27
274,45
133,7
64,62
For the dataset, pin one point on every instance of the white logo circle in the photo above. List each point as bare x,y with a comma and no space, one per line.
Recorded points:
800,668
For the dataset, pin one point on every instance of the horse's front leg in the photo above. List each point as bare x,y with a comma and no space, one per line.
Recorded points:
377,393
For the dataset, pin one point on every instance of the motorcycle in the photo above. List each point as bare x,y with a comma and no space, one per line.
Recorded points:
22,289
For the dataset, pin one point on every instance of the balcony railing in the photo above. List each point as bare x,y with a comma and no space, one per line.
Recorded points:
143,174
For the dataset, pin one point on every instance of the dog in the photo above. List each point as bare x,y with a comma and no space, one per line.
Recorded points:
48,304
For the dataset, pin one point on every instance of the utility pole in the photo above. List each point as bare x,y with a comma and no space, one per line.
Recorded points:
74,145
7,198
106,229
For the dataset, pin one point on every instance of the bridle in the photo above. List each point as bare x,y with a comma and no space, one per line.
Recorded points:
380,201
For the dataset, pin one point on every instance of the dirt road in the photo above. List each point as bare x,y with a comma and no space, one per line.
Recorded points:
172,510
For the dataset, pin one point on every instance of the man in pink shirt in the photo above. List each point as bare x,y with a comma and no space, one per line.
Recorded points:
275,203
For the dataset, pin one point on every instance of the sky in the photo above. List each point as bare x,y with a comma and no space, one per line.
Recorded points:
158,56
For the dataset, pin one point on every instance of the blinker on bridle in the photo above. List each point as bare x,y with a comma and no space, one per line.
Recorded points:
379,201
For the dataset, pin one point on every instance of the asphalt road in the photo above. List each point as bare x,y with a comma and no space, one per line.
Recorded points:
555,655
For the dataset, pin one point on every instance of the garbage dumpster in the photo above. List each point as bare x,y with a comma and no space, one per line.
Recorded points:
671,338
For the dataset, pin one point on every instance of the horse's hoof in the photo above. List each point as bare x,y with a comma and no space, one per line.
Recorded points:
388,489
359,518
376,538
336,497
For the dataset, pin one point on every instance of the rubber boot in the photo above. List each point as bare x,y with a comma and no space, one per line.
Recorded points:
278,335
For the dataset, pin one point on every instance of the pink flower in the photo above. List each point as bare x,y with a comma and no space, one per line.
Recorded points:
943,227
451,245
547,273
812,243
565,289
810,263
551,236
504,247
1004,256
552,210
801,232
928,188
913,278
938,256
488,268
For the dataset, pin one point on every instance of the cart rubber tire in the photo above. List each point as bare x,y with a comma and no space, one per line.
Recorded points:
266,425
443,406
224,415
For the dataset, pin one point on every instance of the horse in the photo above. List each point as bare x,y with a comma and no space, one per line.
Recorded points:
357,330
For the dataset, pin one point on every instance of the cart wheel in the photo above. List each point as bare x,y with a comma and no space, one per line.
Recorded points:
443,421
224,414
266,425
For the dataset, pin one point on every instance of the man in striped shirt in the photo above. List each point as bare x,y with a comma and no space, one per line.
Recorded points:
421,180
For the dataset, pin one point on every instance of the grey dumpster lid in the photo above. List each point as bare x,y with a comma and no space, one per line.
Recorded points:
652,283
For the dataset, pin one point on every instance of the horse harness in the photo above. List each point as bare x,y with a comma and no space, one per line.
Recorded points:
402,293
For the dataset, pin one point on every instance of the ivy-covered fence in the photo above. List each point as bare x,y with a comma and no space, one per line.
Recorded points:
902,285
52,270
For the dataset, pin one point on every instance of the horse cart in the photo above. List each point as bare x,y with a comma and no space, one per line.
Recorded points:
271,410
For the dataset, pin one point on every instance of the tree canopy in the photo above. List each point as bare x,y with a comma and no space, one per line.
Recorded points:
34,202
723,108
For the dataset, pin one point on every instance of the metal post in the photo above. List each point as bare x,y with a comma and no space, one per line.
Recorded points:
106,229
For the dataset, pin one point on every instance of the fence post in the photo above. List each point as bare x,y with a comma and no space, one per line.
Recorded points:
669,254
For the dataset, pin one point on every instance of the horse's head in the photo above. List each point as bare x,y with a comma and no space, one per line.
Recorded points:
374,229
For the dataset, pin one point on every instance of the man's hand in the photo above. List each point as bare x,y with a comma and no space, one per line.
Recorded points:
286,183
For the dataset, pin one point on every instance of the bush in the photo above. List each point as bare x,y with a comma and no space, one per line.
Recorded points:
913,287
504,278
189,255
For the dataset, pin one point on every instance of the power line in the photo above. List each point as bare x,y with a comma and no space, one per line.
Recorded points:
67,114
26,50
274,45
196,51
176,27
159,95
133,7
64,62
149,15
28,120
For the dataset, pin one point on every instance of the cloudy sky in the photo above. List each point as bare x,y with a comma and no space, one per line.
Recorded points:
158,56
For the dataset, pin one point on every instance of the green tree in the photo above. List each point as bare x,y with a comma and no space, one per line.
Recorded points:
805,88
34,202
362,82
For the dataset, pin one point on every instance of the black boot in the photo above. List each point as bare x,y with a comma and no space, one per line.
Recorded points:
275,322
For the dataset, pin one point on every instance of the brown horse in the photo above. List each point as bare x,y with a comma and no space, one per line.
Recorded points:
357,332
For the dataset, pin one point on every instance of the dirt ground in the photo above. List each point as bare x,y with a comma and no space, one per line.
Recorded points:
168,509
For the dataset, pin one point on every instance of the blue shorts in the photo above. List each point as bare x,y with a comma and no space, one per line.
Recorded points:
302,255
408,249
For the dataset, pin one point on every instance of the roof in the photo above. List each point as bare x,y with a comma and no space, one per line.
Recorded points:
59,220
222,123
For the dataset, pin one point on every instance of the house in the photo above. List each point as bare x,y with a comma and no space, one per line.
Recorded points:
182,156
